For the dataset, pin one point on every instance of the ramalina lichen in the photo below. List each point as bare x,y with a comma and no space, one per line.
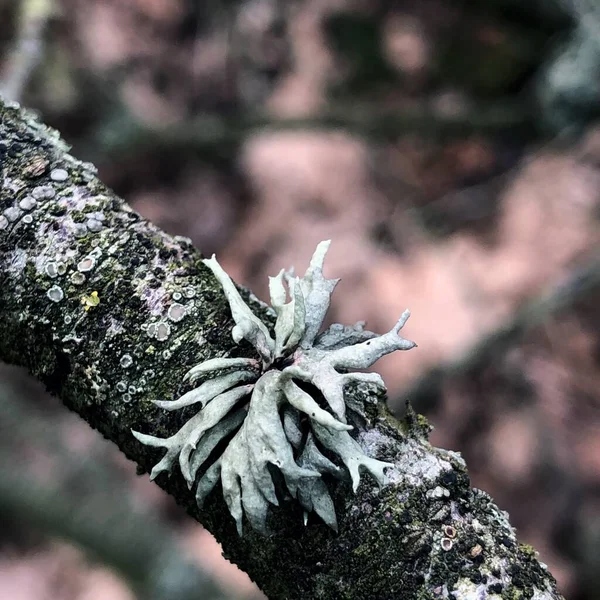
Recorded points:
281,411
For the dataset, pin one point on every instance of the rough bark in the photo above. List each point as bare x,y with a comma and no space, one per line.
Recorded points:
64,236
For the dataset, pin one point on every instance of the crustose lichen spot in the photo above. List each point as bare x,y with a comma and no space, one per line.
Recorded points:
265,407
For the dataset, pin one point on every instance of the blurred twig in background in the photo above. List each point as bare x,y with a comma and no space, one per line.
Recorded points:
569,84
90,508
27,51
123,134
579,283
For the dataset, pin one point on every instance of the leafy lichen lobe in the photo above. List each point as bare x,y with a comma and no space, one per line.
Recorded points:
285,411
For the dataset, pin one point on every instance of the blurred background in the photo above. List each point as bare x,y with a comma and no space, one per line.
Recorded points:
449,148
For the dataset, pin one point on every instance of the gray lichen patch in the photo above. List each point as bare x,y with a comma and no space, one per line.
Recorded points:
86,264
176,312
59,175
55,293
77,278
51,269
43,192
12,214
415,464
126,361
28,203
94,225
163,330
446,544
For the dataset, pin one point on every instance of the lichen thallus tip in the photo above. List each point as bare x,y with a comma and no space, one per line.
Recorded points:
264,409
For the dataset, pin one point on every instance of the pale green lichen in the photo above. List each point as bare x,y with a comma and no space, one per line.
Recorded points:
282,411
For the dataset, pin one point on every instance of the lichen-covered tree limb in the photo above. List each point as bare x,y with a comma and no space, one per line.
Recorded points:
110,313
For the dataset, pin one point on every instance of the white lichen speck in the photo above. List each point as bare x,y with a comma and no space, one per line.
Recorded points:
280,411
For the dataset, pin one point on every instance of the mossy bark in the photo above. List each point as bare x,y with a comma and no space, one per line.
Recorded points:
110,312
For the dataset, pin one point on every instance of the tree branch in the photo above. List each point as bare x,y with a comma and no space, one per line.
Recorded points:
86,286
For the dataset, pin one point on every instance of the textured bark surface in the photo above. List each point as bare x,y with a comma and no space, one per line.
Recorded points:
87,290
